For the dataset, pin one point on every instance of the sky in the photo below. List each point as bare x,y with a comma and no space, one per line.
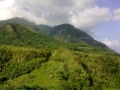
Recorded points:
99,18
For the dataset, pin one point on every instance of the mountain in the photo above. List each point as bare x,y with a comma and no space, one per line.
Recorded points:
68,33
17,20
63,32
22,35
45,29
30,60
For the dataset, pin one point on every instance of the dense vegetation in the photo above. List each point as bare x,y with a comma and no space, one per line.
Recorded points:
59,69
21,35
33,61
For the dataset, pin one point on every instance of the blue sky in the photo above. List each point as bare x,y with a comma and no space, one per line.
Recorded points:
99,18
110,30
112,4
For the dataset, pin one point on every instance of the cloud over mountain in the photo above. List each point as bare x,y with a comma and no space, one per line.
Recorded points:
50,12
81,13
89,18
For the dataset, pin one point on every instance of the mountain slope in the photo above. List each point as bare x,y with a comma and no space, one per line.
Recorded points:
45,29
63,32
68,33
17,20
21,35
24,36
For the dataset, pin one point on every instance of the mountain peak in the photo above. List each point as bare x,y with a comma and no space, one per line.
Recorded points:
64,26
63,32
68,33
18,21
15,27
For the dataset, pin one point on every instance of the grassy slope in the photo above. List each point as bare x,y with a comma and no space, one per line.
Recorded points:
39,28
21,35
72,66
69,69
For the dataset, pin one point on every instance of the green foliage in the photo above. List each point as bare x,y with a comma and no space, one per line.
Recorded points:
21,35
58,69
17,63
25,88
32,61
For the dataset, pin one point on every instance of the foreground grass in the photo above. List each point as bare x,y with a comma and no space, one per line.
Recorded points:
60,69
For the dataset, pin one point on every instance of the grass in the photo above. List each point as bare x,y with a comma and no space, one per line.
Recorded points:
60,69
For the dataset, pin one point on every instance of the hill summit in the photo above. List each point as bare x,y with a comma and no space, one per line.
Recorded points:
68,33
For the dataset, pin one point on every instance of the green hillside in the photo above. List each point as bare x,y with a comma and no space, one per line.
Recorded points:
63,32
21,35
44,29
68,33
30,60
60,69
18,21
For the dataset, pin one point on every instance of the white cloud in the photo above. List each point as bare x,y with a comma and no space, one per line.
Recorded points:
116,13
6,3
81,4
5,9
111,43
91,17
81,13
51,11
